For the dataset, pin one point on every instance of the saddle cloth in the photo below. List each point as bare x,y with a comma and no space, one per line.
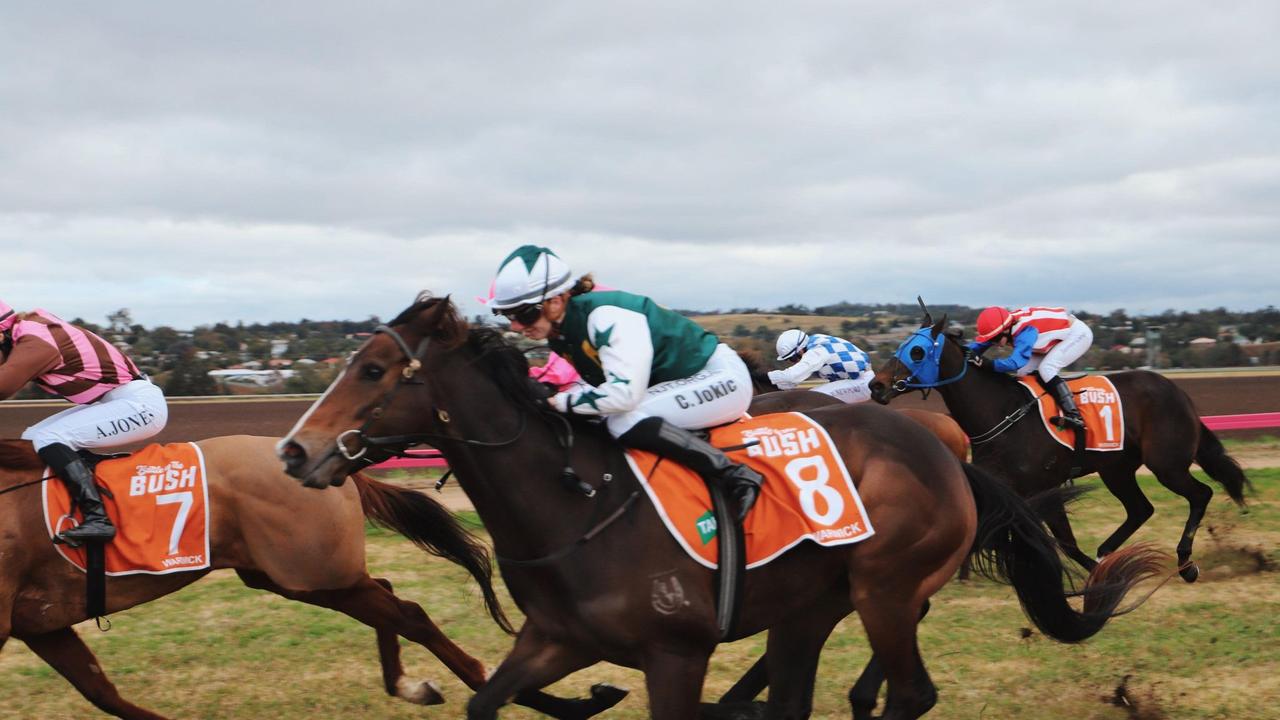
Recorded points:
1099,405
807,493
160,509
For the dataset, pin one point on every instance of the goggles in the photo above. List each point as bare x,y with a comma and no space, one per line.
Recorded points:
523,314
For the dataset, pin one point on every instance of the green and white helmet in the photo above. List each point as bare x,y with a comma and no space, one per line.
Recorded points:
529,276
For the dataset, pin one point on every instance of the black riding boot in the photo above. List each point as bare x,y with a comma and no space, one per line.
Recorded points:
1066,403
79,480
658,436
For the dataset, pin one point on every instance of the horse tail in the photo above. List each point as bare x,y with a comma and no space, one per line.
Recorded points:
430,526
1013,547
1213,458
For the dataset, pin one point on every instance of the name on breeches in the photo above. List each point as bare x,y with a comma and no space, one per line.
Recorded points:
782,443
150,479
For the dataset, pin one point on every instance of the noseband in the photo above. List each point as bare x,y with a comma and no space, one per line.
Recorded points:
392,445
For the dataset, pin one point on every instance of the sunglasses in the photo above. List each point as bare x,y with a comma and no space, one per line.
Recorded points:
524,314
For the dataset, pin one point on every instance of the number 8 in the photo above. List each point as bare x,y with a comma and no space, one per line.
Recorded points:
818,486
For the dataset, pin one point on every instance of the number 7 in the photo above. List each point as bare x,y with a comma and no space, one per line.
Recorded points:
180,523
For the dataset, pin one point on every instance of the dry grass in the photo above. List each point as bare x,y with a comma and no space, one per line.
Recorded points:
1208,650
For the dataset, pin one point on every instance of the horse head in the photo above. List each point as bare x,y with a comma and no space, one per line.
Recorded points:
371,410
916,364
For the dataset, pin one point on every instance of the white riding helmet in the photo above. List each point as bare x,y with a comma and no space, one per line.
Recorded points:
529,276
790,343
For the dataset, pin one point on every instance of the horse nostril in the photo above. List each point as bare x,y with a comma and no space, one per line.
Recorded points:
293,454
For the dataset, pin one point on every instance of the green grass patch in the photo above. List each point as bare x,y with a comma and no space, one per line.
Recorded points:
1208,650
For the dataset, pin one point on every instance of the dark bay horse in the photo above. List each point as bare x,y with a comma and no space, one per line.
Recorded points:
303,545
1161,430
599,578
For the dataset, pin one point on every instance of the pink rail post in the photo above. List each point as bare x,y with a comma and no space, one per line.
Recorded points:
430,457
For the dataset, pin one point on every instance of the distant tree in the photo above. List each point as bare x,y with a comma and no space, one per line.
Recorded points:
190,376
741,330
120,321
306,379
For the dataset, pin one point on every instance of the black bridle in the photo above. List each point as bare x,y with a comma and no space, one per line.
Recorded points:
388,446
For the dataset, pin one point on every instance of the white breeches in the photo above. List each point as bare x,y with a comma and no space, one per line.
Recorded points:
719,393
128,414
1076,343
851,391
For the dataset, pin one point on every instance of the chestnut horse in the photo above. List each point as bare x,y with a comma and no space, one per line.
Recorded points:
768,399
1161,430
301,544
598,576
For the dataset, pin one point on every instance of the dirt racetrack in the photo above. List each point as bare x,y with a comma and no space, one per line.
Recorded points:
261,415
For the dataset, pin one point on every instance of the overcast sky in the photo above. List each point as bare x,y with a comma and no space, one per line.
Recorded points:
205,162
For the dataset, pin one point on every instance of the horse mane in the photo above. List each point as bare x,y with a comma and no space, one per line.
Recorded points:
505,364
758,369
502,362
19,455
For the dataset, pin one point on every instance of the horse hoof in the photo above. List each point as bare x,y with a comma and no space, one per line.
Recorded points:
422,693
605,696
1190,573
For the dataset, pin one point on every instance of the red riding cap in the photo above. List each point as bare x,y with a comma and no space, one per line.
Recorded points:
992,322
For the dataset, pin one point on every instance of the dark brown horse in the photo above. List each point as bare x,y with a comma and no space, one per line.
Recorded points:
301,544
770,400
599,577
1161,430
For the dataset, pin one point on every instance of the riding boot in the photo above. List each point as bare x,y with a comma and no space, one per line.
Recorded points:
79,480
1066,403
658,436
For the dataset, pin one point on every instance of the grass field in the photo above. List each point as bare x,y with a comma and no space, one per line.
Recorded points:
1208,650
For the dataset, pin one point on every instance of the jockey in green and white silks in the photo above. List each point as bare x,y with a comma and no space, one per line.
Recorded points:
651,373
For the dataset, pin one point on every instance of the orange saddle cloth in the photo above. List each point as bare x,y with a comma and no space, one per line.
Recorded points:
1099,405
807,493
160,509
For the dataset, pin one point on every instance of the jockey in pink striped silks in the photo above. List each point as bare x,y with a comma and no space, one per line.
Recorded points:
115,403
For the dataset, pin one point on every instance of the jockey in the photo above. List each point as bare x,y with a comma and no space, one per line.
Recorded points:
846,369
115,403
651,373
1044,339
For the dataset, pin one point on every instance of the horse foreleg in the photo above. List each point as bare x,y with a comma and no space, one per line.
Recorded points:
67,653
1138,509
1056,520
534,662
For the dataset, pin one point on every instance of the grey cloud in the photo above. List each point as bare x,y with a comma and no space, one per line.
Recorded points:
817,152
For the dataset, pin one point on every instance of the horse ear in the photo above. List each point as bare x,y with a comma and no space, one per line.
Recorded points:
939,326
440,320
927,320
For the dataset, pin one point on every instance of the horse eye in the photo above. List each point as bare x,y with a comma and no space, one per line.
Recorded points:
917,354
373,372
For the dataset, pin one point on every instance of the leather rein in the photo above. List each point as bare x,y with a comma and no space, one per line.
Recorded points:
902,385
